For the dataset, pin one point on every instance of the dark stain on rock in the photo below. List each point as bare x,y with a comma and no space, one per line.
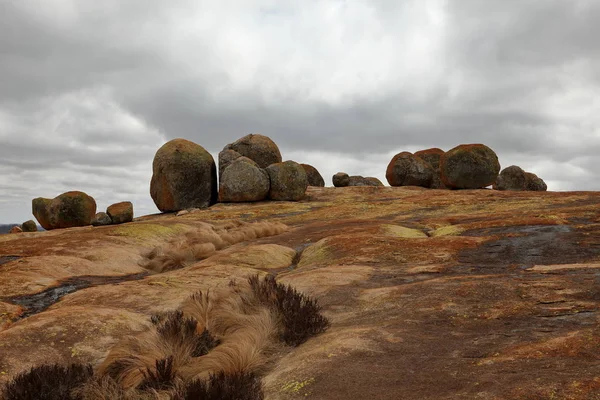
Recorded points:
7,259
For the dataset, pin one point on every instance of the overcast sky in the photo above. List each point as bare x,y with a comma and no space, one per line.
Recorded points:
89,90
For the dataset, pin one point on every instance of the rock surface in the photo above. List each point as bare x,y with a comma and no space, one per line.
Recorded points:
259,148
29,226
469,166
67,210
433,156
243,180
430,294
357,180
511,178
101,219
184,175
288,181
341,179
534,183
120,213
226,157
406,169
313,176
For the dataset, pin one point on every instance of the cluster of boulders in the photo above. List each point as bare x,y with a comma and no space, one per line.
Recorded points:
27,226
342,179
75,208
250,169
468,166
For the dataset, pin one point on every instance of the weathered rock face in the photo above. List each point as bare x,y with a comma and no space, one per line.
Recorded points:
184,176
288,181
469,166
432,156
534,183
226,157
341,179
101,219
405,169
67,210
16,229
313,176
29,226
120,213
357,180
511,178
243,180
259,148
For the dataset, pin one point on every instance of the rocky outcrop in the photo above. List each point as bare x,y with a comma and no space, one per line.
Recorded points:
226,157
534,183
29,226
341,179
433,156
120,213
243,180
469,166
67,210
406,169
357,180
259,148
511,178
313,176
288,181
101,219
184,176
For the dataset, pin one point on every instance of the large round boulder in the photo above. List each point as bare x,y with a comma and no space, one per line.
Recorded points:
184,175
29,226
511,178
67,210
358,180
469,166
288,181
243,180
535,183
433,156
16,229
406,169
120,213
313,176
341,179
226,157
101,219
259,148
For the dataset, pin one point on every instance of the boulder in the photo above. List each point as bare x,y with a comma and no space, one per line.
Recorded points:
260,149
313,176
101,219
288,181
406,169
469,166
243,180
29,226
184,175
67,210
511,178
120,213
341,179
433,156
16,229
533,182
357,180
226,157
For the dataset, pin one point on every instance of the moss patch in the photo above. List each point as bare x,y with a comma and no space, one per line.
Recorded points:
450,230
402,231
143,231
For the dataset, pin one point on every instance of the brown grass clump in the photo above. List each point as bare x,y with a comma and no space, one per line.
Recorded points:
204,242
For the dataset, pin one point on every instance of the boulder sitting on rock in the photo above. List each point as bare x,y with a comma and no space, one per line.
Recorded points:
184,176
341,179
469,166
511,178
243,180
120,213
101,219
313,176
16,229
406,169
433,156
533,182
67,210
226,157
29,226
288,181
357,180
259,148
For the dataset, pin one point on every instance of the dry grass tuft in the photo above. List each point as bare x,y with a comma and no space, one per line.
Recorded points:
204,242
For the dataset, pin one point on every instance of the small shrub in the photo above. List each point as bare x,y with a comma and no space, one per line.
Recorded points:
176,329
48,382
162,378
